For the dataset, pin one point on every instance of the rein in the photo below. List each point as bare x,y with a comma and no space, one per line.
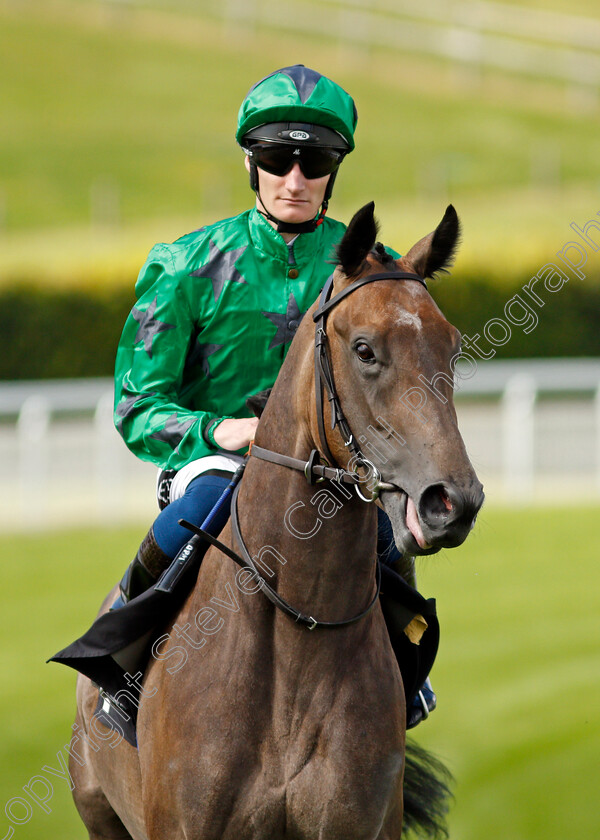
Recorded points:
246,562
313,469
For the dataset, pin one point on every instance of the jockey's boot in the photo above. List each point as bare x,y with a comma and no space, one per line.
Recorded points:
425,701
144,570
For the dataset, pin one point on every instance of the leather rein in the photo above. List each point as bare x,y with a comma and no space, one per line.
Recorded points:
314,470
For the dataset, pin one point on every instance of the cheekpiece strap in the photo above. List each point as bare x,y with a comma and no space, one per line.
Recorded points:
324,373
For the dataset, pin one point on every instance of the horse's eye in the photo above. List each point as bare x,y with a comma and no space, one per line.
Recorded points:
364,352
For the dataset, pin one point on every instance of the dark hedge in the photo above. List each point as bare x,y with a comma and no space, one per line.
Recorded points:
74,333
49,333
568,322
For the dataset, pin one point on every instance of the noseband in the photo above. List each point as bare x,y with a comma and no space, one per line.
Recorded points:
313,469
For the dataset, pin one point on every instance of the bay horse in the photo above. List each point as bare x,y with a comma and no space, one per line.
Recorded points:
251,726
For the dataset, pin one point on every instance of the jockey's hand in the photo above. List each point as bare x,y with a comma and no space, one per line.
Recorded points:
235,434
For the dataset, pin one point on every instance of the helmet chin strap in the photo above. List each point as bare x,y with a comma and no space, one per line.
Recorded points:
293,227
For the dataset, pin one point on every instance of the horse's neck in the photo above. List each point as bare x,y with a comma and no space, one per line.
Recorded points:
324,537
318,543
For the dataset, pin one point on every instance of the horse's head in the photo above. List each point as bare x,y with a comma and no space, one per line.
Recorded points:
393,355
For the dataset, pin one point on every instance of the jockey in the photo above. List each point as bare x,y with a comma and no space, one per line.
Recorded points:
217,309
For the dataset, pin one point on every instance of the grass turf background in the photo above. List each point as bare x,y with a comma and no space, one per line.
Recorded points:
518,674
118,131
120,103
96,99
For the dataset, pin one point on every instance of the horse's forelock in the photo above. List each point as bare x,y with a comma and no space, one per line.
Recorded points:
382,255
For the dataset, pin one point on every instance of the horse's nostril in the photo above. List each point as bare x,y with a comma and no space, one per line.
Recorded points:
447,512
435,503
446,500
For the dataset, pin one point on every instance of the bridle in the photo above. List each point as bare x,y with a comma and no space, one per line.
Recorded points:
314,470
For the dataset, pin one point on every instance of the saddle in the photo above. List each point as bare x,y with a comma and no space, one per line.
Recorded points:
410,618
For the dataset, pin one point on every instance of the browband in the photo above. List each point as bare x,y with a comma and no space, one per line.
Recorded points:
325,304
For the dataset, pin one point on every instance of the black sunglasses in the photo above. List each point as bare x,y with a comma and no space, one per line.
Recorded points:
315,162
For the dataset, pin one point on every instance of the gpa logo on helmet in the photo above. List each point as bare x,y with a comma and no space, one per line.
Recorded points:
299,135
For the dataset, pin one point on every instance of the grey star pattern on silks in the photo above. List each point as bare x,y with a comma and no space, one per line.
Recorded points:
174,431
149,326
220,267
126,406
286,324
199,356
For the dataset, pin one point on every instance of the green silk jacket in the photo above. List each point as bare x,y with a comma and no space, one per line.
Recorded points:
215,314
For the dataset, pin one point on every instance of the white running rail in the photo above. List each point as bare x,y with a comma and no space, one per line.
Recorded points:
532,428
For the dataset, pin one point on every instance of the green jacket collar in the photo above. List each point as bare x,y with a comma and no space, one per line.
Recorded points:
265,238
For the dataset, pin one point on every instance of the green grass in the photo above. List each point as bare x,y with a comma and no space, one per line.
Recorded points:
518,676
95,97
53,586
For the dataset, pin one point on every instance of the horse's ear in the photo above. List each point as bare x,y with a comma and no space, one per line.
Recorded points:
436,251
358,240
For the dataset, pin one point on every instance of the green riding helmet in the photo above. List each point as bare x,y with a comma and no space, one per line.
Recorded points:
300,107
300,95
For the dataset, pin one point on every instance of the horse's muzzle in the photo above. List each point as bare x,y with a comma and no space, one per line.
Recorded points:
447,512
